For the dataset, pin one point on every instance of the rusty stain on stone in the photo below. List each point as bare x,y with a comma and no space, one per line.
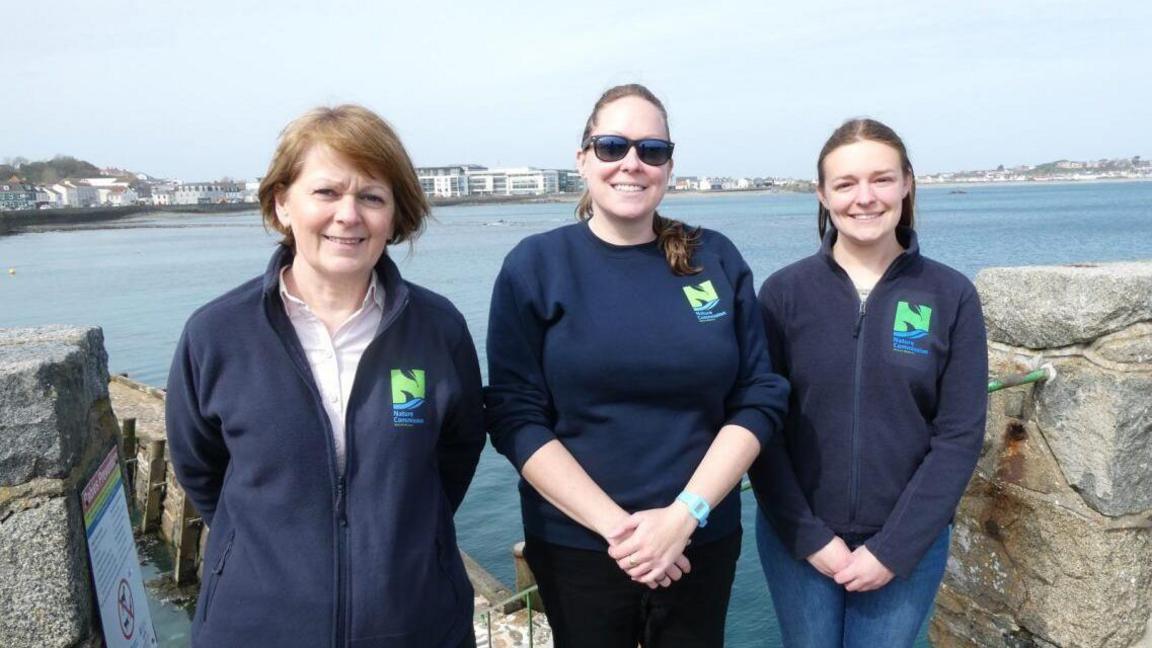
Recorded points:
992,528
1011,463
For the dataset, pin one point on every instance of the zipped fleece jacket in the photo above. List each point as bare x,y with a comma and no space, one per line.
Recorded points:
300,555
633,368
886,417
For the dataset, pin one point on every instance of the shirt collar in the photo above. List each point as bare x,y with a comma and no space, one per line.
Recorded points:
294,305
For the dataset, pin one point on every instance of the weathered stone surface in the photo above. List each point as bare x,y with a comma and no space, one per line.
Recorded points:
1045,572
1098,423
1133,345
53,391
1055,306
960,622
44,577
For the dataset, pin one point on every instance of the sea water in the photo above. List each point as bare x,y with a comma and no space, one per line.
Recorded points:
140,278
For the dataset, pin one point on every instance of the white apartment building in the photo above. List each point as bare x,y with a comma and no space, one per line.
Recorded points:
446,181
474,180
522,181
119,196
207,193
76,194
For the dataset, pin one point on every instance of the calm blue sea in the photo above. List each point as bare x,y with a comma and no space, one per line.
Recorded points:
140,278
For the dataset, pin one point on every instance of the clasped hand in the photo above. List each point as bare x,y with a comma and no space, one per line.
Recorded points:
857,571
649,545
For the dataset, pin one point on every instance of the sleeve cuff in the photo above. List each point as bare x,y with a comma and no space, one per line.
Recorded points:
901,566
809,541
756,422
524,443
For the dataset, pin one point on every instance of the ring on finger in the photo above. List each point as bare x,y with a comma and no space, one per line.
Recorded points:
631,561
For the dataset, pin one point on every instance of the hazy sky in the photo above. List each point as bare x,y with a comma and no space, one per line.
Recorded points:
199,90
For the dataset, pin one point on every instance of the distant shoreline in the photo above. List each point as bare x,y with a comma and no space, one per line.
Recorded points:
15,222
40,220
1026,183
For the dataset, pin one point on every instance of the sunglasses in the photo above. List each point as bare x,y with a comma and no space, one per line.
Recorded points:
613,148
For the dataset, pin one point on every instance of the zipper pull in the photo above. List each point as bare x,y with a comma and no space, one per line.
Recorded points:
859,320
341,513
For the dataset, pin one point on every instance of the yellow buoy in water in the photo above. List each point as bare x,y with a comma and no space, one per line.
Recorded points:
11,271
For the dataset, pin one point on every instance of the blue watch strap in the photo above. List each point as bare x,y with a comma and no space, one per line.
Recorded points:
697,506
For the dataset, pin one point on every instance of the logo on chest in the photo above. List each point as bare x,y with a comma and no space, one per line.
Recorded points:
704,301
910,328
407,397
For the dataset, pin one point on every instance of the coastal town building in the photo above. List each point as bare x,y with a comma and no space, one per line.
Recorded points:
76,193
46,198
570,181
461,180
446,181
207,193
17,196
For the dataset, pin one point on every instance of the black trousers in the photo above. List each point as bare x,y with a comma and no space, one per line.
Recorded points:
592,603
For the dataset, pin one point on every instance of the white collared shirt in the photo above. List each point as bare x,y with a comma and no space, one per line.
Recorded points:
334,358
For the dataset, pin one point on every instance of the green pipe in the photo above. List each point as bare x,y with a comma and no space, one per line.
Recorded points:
1043,373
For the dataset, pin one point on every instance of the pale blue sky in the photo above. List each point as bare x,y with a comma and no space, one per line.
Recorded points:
199,90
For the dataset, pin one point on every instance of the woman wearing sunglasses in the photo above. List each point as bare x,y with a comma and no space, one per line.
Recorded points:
630,386
886,353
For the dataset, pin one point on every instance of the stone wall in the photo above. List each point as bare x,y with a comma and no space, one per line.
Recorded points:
56,424
1053,539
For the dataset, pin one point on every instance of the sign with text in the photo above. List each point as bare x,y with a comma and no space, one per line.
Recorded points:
115,564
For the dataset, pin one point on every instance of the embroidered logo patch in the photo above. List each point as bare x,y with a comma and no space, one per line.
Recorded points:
910,326
703,299
407,396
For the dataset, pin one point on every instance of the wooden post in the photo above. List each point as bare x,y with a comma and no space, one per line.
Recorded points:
185,540
525,578
150,487
128,447
203,549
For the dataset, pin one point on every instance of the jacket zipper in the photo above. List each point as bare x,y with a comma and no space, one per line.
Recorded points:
341,560
854,477
340,492
343,582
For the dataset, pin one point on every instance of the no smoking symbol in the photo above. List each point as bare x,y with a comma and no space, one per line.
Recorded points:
125,609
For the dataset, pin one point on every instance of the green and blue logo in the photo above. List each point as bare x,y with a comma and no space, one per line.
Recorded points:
703,299
910,326
407,396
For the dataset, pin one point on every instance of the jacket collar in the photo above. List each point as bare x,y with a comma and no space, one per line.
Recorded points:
395,288
906,236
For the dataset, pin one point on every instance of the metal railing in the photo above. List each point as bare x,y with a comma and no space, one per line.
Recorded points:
525,597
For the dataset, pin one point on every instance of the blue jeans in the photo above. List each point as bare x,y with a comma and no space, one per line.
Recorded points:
815,612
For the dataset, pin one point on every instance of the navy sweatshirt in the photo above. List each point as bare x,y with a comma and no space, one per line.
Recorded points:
633,368
300,555
888,401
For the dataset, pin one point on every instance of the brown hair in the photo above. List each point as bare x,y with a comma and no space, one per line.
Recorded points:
864,129
368,143
675,239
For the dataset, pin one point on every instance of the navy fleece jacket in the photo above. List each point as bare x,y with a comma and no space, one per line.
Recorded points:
633,368
888,401
300,555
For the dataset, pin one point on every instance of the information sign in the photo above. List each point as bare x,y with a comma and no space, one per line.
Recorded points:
115,563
